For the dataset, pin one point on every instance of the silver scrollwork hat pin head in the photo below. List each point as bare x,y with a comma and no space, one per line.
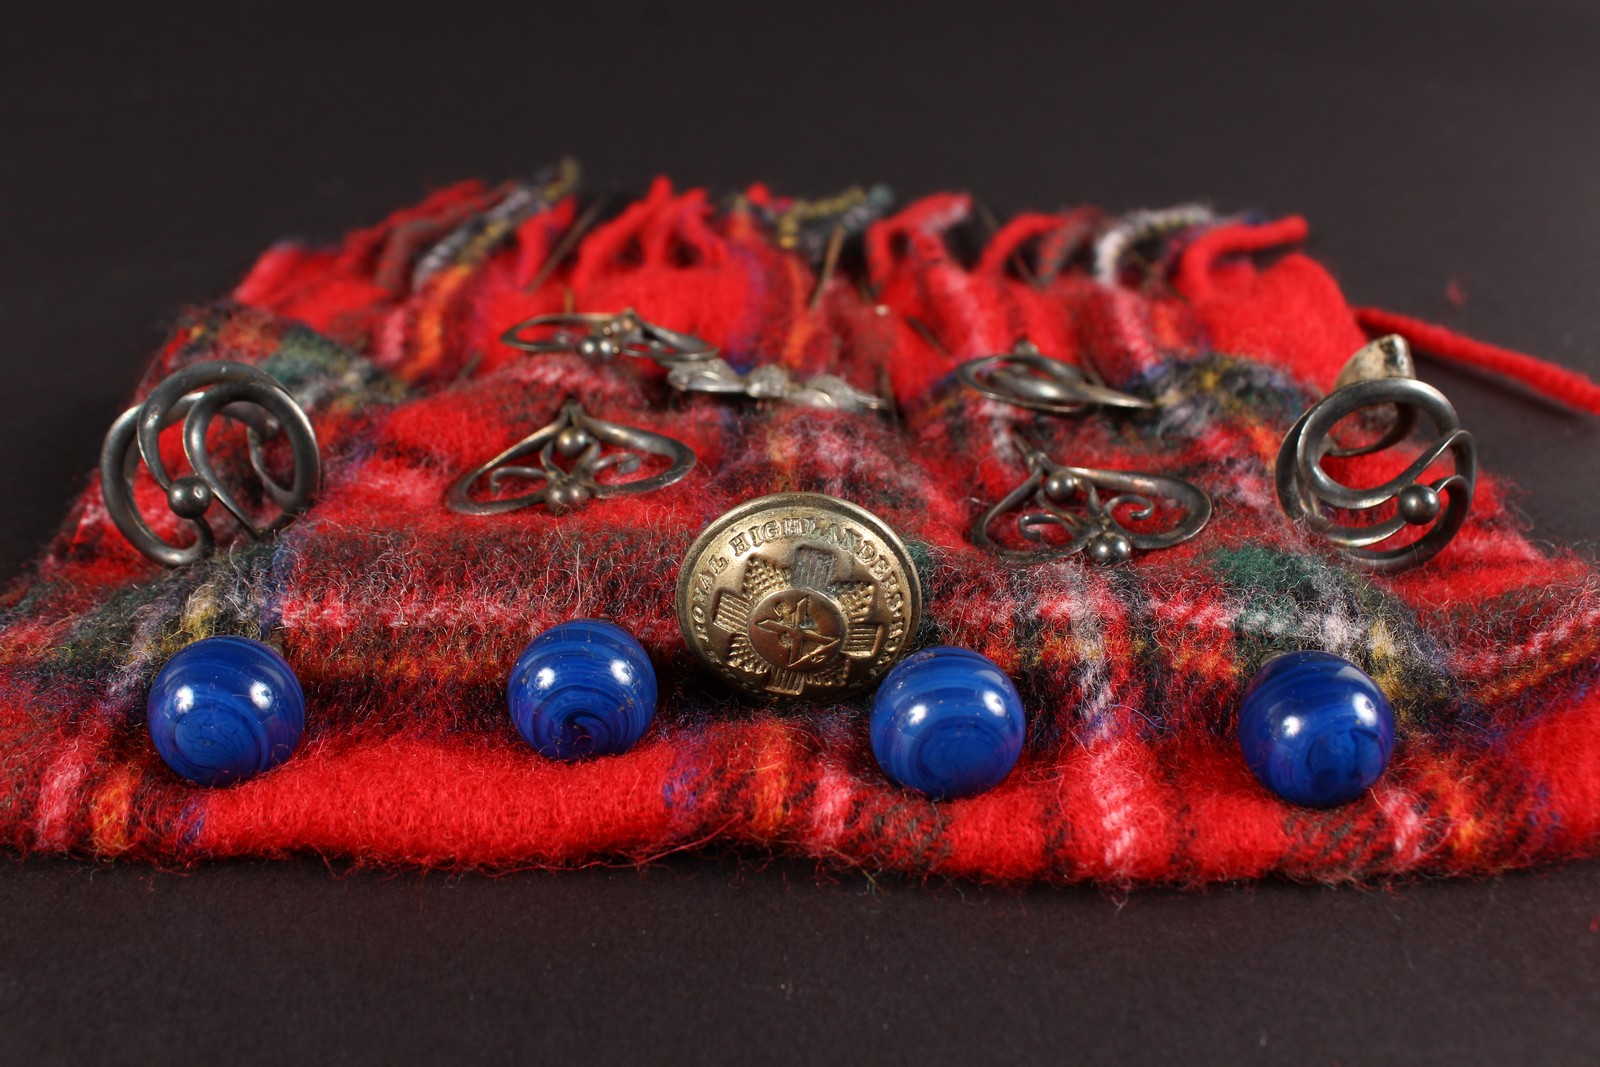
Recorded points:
564,461
1379,375
1028,378
1059,511
605,336
196,396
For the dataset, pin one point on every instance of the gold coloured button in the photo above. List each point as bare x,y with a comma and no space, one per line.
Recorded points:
799,595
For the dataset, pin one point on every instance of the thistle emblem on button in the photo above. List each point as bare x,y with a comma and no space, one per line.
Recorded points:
799,595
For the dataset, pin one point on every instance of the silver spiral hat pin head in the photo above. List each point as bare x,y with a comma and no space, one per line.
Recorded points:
196,396
1373,527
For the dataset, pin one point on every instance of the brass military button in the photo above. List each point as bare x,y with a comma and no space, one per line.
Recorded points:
799,595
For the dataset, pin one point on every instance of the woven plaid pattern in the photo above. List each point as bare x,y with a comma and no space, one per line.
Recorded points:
403,619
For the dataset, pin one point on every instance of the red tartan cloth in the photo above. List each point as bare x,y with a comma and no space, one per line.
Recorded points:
402,619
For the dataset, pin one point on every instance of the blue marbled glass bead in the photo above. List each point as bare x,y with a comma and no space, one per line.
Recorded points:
1315,728
583,688
225,709
947,722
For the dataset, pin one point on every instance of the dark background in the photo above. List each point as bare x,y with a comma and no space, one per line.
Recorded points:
148,158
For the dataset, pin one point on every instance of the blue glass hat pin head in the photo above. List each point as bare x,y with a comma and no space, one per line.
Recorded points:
947,722
582,688
223,708
1315,729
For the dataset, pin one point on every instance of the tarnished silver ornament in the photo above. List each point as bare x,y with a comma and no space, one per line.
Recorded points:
1059,511
1029,379
197,395
606,336
564,461
772,382
1379,375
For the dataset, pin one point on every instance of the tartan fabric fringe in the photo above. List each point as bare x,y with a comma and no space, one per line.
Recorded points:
402,618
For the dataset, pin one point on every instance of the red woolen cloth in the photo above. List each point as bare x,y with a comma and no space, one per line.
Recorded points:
402,619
